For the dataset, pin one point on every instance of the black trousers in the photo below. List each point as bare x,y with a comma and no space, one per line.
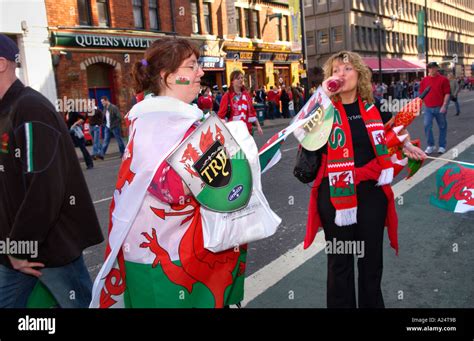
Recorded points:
371,214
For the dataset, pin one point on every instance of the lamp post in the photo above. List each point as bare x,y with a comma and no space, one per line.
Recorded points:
426,36
378,23
304,81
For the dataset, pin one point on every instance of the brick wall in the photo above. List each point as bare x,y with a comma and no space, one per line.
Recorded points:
65,13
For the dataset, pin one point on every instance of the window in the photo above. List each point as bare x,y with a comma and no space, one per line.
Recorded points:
357,35
255,24
336,33
207,17
279,36
321,2
310,38
323,37
285,32
362,36
195,17
84,11
237,21
103,13
138,13
153,13
308,3
247,22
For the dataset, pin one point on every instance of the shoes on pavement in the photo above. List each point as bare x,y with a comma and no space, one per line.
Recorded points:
429,149
441,150
458,113
90,166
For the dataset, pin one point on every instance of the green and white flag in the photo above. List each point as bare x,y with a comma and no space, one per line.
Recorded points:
214,167
455,188
29,147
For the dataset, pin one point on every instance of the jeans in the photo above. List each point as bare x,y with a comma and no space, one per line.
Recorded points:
70,285
429,114
96,146
456,103
81,143
107,135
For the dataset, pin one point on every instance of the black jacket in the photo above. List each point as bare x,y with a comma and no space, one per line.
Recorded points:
115,117
97,119
43,194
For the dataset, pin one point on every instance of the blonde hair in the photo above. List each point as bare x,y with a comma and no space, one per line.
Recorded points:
364,84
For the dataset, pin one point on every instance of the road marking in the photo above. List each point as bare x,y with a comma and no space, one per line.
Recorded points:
272,273
102,200
275,271
288,149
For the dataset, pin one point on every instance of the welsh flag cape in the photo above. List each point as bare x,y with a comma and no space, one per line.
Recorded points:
155,255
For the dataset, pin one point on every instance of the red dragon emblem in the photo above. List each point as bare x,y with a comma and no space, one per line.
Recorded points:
191,154
214,270
342,182
380,138
459,184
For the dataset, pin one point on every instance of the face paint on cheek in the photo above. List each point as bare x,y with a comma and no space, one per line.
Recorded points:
182,80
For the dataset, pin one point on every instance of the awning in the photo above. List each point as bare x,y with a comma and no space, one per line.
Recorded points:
394,65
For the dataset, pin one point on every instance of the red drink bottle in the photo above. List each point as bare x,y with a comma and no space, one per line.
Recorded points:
335,84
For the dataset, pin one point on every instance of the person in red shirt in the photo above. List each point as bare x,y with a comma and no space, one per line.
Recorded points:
436,106
205,102
273,98
236,104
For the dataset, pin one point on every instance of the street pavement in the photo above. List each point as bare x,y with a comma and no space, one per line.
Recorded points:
434,266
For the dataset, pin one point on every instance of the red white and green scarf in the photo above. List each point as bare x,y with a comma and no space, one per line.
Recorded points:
340,165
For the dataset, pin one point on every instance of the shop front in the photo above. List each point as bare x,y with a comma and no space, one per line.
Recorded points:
212,62
264,67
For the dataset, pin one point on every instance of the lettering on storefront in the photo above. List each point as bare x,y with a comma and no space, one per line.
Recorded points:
212,62
100,41
280,57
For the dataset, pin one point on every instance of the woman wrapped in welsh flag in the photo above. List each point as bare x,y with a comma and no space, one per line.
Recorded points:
155,255
352,198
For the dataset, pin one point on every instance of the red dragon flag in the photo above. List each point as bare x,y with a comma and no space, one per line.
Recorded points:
454,188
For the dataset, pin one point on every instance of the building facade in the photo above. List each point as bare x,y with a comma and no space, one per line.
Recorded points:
94,43
29,30
335,25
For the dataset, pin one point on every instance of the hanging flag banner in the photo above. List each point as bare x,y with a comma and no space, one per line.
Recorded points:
420,42
214,167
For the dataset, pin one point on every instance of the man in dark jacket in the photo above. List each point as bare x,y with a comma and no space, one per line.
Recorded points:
47,217
112,121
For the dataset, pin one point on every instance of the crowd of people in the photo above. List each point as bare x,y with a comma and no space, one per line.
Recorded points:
279,101
151,265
